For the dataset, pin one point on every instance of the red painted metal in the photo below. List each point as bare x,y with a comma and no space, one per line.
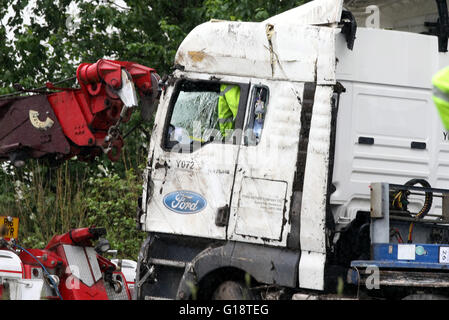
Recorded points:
84,115
81,237
95,107
78,290
49,259
54,259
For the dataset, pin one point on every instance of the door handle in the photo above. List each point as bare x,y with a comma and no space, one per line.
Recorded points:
222,218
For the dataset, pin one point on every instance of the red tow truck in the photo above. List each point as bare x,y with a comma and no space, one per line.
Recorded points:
57,124
68,268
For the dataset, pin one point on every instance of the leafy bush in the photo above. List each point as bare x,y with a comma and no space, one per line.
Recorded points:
111,203
51,201
48,201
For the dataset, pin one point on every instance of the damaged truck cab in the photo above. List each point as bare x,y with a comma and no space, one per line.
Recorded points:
265,143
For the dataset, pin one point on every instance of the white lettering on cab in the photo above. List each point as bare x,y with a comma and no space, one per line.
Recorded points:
182,202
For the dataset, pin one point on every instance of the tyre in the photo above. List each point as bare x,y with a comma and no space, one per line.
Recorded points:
232,290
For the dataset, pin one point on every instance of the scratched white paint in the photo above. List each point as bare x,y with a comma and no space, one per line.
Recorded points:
242,52
313,211
212,176
305,46
242,48
311,270
273,159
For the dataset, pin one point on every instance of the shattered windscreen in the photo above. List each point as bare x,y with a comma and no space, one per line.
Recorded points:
195,113
196,110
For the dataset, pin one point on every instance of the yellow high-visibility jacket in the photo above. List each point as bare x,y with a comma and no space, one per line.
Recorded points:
228,105
441,95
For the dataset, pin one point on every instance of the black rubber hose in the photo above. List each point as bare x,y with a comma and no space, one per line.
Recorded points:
428,198
427,203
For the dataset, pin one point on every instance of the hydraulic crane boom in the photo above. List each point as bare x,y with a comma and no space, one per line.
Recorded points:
82,122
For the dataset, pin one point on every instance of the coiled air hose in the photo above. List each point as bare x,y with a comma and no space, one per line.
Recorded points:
400,201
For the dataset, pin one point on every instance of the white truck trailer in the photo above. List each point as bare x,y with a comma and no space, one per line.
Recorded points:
333,97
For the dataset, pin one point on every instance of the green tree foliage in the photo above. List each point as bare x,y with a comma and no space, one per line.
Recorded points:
47,201
55,40
50,201
45,40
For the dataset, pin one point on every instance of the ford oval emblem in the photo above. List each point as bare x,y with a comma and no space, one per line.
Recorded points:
184,202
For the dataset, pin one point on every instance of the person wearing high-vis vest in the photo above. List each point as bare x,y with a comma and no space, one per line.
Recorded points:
228,105
441,95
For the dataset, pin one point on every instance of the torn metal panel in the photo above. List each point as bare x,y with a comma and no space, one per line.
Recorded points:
288,52
318,12
326,61
316,174
308,98
313,213
154,142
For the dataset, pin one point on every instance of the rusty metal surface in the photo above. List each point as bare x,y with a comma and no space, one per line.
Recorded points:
20,131
418,279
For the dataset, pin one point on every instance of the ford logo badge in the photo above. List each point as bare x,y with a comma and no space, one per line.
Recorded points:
184,202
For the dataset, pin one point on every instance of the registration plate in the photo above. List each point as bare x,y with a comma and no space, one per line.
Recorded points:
9,227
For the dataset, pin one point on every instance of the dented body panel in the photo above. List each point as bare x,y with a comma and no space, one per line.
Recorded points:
303,180
255,182
262,184
245,50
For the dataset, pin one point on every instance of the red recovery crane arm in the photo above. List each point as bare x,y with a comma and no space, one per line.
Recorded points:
81,122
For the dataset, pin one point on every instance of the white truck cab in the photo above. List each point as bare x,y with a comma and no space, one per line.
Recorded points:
328,98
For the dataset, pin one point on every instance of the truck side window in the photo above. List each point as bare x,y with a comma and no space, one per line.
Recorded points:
258,111
202,112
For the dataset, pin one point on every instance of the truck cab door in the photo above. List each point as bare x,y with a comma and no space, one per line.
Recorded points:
193,162
267,163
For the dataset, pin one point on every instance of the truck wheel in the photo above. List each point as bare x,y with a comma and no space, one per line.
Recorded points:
231,290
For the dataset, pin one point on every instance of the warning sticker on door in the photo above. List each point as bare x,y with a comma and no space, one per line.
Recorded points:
260,211
268,204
